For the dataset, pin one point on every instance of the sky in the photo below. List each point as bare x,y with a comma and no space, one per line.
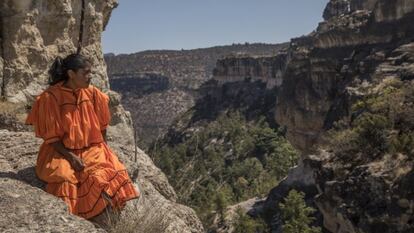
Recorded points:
138,25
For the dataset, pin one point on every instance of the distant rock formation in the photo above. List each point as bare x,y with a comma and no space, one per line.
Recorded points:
158,86
269,70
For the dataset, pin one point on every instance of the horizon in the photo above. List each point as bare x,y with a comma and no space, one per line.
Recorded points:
189,25
214,46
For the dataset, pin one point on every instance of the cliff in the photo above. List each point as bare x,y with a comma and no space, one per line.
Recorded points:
33,33
313,76
268,70
165,82
186,69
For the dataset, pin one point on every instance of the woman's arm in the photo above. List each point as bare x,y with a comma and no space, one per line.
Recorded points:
74,160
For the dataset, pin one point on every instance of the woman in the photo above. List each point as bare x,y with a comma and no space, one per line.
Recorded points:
74,159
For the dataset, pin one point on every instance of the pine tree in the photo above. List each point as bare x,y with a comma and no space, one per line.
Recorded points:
296,215
245,224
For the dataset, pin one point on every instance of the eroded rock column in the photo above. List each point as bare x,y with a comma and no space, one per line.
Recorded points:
35,32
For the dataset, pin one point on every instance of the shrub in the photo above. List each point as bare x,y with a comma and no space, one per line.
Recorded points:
246,224
382,122
296,215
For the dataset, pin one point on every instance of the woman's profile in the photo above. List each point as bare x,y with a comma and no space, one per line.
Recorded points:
71,116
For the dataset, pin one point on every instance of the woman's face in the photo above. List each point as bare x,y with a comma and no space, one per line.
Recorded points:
81,78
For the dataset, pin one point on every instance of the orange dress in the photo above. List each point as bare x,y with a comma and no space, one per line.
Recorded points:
77,118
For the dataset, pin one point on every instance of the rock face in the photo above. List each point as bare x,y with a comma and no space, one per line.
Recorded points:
33,33
372,197
168,82
185,69
268,70
369,192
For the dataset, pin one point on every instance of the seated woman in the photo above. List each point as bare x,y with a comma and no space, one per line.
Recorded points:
71,116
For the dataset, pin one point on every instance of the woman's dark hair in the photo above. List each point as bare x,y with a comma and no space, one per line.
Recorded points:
59,69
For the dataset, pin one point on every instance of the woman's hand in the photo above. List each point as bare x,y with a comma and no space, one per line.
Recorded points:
76,162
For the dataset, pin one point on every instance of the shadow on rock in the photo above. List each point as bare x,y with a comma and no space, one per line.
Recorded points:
26,175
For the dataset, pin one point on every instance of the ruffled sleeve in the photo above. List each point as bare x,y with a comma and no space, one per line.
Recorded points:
101,106
46,119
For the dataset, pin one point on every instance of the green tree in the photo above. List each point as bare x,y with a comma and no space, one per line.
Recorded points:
296,215
245,224
221,204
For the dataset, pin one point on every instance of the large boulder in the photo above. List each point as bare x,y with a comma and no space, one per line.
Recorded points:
27,208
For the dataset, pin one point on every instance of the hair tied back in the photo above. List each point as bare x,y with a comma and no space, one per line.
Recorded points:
56,71
59,69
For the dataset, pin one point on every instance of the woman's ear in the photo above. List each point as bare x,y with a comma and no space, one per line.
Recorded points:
71,74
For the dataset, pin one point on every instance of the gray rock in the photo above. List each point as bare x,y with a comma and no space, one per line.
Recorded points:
25,206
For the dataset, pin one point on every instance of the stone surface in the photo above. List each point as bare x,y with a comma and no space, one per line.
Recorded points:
156,210
366,193
25,206
367,198
231,214
269,70
35,32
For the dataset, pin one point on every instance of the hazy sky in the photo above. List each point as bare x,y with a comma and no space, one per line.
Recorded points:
138,25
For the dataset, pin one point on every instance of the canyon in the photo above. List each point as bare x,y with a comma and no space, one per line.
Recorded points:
342,96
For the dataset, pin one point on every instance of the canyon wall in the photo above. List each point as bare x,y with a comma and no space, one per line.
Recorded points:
359,49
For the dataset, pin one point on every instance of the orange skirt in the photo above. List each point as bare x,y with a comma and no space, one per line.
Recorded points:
82,191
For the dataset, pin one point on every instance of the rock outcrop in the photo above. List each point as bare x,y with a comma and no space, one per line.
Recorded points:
268,70
33,33
370,192
185,69
232,214
27,208
347,57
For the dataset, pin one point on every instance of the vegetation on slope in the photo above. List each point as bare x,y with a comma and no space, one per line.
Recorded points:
382,122
225,161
